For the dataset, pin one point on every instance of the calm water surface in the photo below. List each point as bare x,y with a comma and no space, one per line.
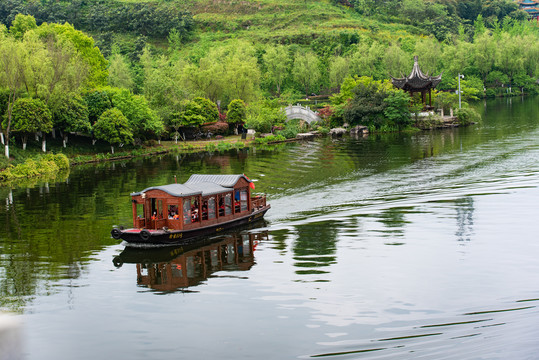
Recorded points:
410,246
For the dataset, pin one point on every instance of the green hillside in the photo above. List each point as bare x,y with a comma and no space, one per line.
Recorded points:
152,68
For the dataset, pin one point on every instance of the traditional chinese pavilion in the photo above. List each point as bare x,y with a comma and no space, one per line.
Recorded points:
531,7
418,82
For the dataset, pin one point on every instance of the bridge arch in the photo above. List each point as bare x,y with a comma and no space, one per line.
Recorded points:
302,113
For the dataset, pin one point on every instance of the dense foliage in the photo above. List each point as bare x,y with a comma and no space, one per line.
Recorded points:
154,19
164,73
113,127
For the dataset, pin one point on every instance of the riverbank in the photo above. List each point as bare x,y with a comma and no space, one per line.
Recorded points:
85,153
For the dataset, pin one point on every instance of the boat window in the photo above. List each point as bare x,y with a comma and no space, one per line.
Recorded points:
228,204
140,211
173,212
211,208
205,210
221,206
244,200
187,210
154,210
160,209
237,201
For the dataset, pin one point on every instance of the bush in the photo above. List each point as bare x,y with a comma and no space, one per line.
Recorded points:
467,116
268,139
289,132
47,165
218,128
490,93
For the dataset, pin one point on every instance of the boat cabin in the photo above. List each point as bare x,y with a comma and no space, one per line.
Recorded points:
203,200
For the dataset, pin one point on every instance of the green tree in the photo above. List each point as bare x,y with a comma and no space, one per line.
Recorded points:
277,65
236,112
429,53
225,73
306,71
113,127
396,110
143,121
164,87
263,115
484,52
31,116
367,60
190,115
366,107
84,46
338,70
97,101
208,109
496,79
397,61
70,115
119,72
12,55
22,24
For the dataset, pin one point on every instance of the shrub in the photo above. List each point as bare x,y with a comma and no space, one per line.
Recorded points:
323,130
268,139
218,128
490,93
289,132
467,116
47,165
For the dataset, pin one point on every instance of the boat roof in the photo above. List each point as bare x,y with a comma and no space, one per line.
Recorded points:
199,184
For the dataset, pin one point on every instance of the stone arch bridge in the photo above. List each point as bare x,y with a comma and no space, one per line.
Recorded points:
300,112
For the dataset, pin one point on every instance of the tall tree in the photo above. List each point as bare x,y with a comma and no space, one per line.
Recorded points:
277,65
113,127
338,71
31,116
70,115
12,55
397,61
306,71
119,72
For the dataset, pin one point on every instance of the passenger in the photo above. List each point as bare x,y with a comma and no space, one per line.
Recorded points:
154,215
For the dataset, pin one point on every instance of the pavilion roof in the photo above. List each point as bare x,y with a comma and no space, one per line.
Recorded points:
417,80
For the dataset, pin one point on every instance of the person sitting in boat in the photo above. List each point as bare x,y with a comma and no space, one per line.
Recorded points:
154,215
194,215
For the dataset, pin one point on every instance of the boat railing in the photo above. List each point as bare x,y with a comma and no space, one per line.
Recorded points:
258,202
140,222
159,223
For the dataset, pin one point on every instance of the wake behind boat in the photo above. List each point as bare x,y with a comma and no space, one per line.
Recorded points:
204,205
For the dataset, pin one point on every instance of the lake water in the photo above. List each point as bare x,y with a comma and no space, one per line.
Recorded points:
398,246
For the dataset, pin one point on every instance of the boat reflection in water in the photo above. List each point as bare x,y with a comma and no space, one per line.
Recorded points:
168,269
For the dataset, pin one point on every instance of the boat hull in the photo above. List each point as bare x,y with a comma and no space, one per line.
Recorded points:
175,237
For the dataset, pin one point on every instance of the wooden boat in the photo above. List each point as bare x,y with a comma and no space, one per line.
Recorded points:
204,205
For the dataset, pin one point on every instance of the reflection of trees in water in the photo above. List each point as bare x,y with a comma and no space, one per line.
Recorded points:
279,240
315,247
465,210
394,221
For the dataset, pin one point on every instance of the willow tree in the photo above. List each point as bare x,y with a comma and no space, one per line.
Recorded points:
306,71
277,64
12,55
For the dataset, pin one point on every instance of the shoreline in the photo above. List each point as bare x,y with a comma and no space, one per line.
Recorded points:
197,146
